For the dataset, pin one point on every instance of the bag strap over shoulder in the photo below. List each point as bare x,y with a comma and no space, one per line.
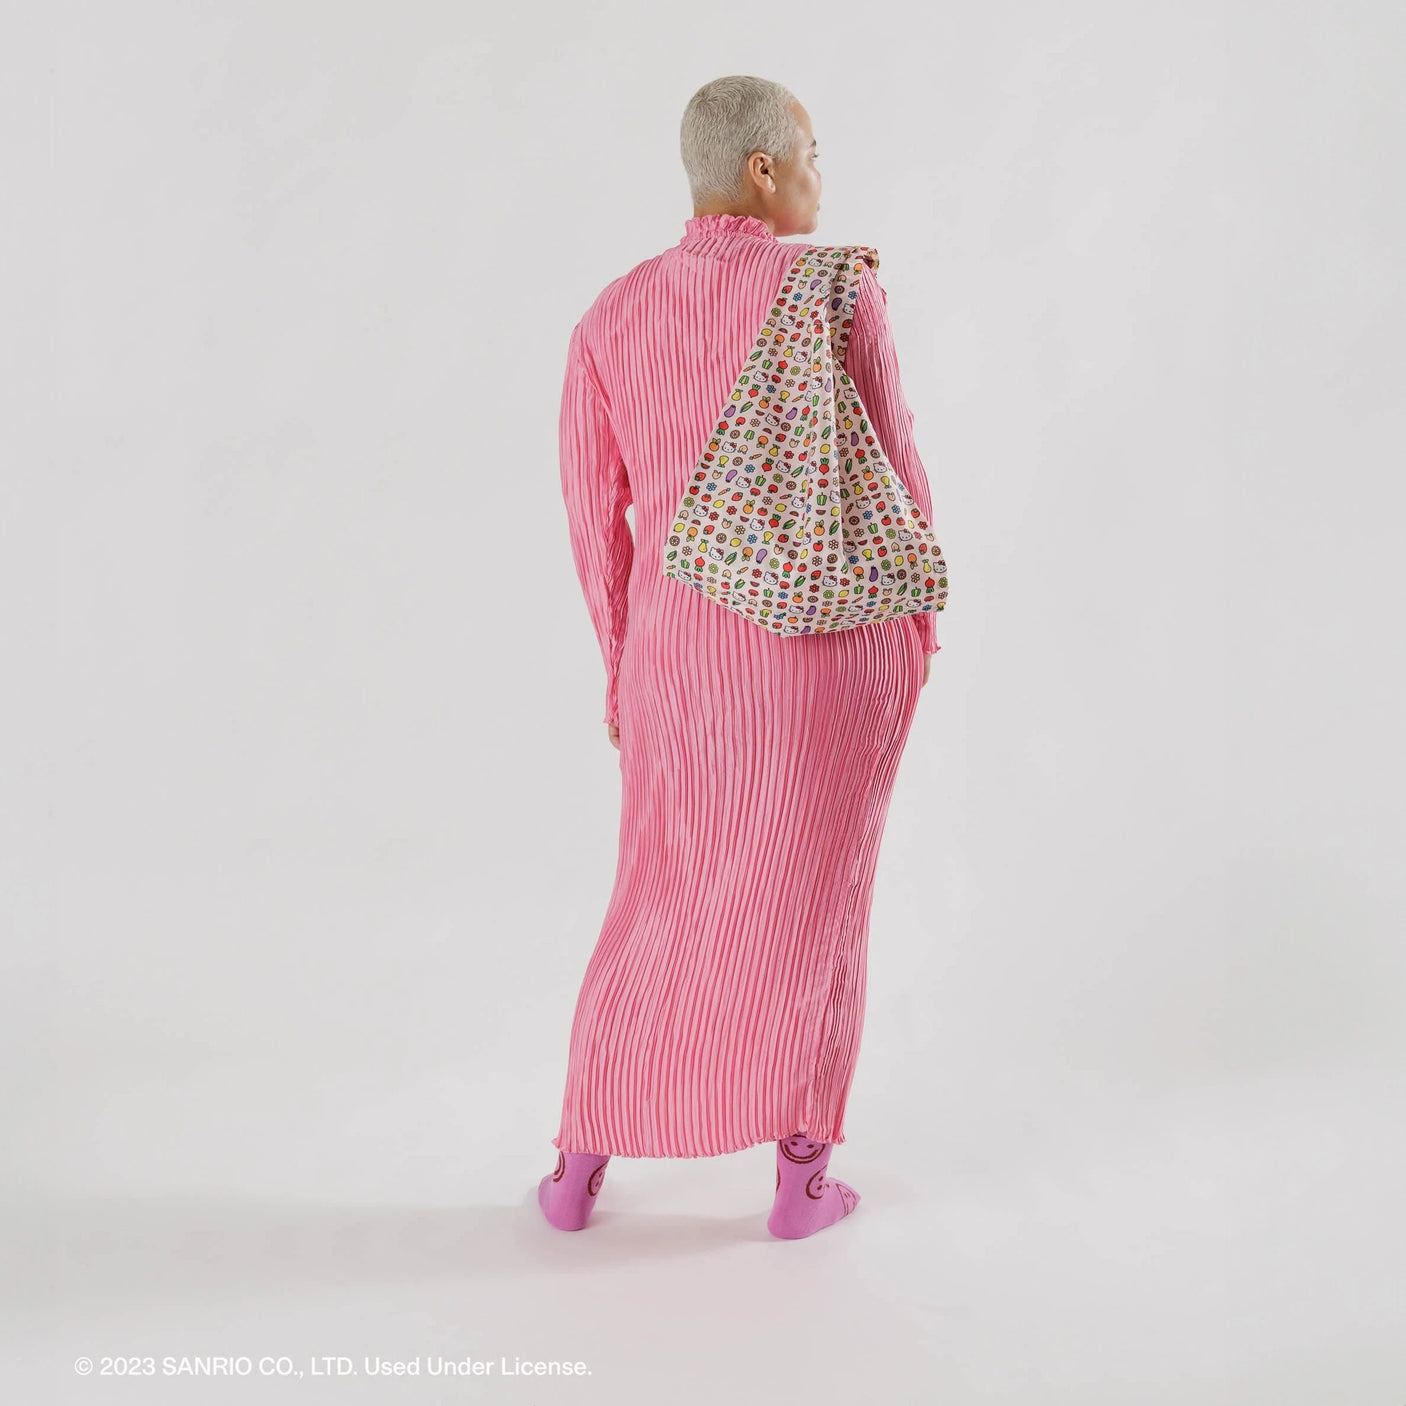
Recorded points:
835,271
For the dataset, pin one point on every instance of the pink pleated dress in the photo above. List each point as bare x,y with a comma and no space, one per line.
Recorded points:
723,1002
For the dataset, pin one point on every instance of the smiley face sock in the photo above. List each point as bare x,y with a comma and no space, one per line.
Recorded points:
807,1199
568,1195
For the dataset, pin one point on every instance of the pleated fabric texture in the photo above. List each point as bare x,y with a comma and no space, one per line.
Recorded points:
723,1002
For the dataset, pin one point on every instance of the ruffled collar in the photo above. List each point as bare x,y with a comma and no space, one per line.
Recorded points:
704,226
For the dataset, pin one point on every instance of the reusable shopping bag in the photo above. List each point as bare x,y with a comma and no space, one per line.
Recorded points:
793,517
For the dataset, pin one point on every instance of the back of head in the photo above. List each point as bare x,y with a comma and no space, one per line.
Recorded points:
725,121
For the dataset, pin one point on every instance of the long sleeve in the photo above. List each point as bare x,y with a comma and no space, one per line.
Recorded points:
596,490
871,361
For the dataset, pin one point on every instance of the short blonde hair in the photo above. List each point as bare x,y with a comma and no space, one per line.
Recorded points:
724,123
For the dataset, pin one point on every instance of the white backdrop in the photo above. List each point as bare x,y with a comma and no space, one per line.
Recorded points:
309,828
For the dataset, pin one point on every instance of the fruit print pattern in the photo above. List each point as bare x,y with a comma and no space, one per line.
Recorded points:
793,518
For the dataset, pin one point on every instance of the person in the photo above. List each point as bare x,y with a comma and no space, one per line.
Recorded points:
722,1005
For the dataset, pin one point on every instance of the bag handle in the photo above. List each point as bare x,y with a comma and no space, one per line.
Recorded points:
842,267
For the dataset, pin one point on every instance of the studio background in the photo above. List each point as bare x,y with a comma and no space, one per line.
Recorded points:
309,820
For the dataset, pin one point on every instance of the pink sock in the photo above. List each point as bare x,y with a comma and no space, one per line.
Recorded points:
568,1194
806,1199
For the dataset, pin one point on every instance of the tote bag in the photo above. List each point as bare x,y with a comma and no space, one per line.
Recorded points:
793,517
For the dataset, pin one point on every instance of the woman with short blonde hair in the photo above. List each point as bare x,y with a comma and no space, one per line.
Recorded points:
723,1003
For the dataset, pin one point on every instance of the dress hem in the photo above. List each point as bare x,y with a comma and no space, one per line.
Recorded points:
836,1141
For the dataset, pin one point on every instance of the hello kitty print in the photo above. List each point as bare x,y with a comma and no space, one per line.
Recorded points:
793,517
